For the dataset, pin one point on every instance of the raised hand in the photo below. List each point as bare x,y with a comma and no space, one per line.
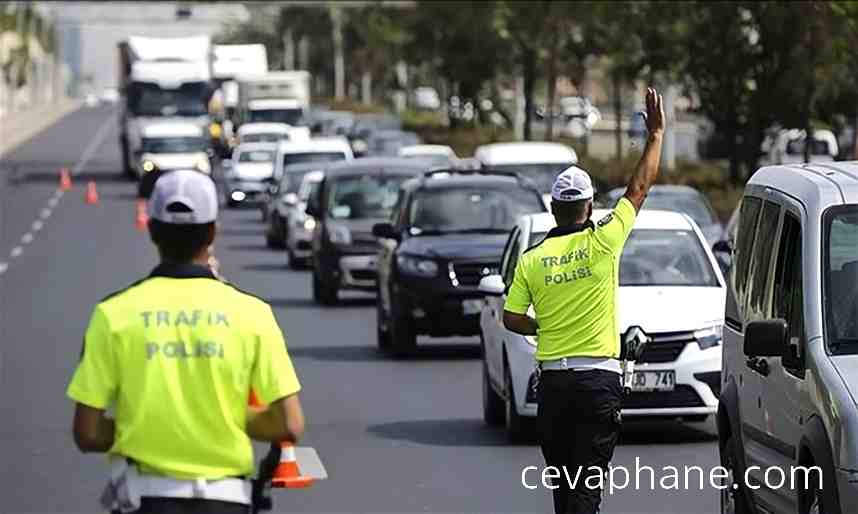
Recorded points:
654,116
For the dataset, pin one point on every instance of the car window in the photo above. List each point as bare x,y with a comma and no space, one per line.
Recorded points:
841,279
471,209
693,205
264,138
645,263
256,156
758,278
363,197
173,144
297,158
748,216
542,174
308,188
514,253
787,298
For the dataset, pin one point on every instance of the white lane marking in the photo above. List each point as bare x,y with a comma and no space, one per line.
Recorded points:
94,144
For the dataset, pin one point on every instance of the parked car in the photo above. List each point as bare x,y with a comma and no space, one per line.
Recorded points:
389,142
541,162
447,232
670,286
441,155
790,360
317,150
352,198
682,199
284,202
248,175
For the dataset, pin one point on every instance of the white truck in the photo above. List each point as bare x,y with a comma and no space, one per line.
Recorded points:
230,63
278,97
161,78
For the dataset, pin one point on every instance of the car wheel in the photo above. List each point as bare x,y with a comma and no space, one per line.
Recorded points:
323,293
517,427
493,405
403,336
733,494
293,261
382,330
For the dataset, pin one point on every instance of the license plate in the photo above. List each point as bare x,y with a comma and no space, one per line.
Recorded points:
472,306
654,381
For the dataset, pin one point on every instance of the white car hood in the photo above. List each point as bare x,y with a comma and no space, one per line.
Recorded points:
253,170
670,309
171,161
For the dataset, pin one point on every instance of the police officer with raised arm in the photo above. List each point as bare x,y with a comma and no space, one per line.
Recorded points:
572,278
175,356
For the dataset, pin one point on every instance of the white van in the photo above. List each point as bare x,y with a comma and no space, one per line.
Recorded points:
172,145
320,149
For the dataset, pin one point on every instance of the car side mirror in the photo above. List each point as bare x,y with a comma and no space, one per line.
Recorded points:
492,285
723,246
385,231
290,199
766,338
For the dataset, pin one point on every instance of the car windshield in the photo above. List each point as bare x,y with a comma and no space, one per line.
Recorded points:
150,100
471,209
298,158
646,263
271,137
363,197
841,279
542,174
173,145
687,203
256,156
287,116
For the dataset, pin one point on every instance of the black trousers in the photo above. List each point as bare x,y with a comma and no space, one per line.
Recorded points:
579,423
150,505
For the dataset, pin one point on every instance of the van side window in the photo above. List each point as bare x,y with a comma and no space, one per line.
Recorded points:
512,259
787,298
758,278
744,244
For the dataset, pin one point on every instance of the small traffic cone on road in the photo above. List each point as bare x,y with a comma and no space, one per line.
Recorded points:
65,179
286,474
142,219
91,194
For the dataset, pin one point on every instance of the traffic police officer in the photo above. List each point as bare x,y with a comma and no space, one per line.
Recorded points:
176,356
571,278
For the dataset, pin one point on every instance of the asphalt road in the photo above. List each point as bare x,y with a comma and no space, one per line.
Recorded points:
395,436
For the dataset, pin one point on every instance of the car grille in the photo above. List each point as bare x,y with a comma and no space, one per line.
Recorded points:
470,273
666,346
682,396
363,274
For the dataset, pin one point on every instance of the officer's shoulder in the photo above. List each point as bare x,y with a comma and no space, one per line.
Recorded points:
534,246
121,293
250,298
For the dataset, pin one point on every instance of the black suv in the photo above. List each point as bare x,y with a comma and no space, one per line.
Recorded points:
350,200
447,232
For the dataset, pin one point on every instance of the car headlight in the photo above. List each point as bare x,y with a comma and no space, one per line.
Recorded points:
709,337
202,164
147,166
309,224
340,235
417,266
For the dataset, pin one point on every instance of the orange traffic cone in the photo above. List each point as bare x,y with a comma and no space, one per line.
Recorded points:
91,194
65,179
142,219
286,474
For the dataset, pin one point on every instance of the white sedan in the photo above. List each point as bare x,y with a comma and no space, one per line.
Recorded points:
670,286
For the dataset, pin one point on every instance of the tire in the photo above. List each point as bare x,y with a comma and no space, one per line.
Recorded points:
403,336
382,333
323,294
518,428
127,170
493,403
734,499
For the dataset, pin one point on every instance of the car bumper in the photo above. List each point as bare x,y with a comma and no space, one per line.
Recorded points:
247,191
357,272
300,241
692,395
439,309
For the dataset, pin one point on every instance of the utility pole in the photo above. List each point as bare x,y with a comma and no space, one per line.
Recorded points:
288,50
339,59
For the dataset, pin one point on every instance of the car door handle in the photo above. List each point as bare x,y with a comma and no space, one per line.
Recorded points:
759,365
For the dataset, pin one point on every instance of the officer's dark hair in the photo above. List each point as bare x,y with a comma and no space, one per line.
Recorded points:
568,213
180,242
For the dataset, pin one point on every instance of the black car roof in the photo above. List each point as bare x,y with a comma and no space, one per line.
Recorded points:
440,179
379,165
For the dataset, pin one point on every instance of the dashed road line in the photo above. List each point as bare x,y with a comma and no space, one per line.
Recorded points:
45,213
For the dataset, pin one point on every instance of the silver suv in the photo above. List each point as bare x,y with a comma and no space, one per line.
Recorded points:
790,356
